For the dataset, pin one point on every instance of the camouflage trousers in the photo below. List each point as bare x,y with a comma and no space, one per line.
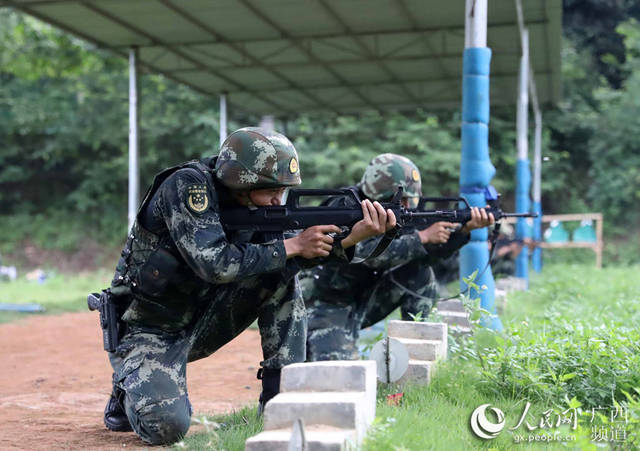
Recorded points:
150,365
334,323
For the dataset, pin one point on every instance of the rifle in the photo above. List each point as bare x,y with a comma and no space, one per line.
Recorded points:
461,215
294,216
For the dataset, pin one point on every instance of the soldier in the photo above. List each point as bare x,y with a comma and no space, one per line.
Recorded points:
343,298
185,287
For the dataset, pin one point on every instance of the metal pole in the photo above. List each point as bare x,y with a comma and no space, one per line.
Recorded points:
523,172
267,123
223,118
476,170
134,179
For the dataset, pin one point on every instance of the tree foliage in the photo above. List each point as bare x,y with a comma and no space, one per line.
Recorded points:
64,126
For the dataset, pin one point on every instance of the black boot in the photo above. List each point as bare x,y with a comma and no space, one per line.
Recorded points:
115,418
270,386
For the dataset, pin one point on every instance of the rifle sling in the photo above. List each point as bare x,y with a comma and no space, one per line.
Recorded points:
383,244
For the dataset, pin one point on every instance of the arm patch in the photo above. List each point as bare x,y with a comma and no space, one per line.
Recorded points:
197,198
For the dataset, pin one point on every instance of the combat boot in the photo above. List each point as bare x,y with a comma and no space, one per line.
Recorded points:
115,418
270,386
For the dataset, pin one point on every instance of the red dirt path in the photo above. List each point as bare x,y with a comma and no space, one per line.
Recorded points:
55,380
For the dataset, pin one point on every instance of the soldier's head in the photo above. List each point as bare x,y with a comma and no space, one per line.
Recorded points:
257,166
385,173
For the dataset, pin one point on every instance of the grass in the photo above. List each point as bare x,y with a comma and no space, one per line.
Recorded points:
570,341
57,294
572,338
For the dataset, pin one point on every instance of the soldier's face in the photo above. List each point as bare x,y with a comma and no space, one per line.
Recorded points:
267,197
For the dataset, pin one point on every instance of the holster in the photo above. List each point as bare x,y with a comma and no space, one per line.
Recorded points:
105,304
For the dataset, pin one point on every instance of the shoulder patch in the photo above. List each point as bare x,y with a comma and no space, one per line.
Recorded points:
197,198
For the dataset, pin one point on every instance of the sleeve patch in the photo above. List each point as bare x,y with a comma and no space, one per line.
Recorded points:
197,198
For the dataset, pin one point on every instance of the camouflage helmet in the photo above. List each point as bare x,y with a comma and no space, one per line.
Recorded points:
254,158
386,172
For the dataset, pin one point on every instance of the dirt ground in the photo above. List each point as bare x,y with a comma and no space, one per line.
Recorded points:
55,380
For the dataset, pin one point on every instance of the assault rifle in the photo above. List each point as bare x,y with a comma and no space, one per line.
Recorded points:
294,216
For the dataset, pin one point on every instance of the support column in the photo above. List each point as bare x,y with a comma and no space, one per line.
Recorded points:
476,170
523,172
223,118
537,197
134,172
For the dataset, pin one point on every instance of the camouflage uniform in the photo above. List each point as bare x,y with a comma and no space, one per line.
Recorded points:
185,287
343,298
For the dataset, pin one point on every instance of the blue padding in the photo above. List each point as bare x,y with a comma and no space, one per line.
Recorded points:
523,204
475,85
477,61
476,169
536,259
473,257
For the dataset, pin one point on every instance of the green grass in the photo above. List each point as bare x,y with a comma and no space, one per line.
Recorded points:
571,340
59,293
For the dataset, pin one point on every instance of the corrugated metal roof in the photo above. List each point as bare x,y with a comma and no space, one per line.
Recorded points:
290,56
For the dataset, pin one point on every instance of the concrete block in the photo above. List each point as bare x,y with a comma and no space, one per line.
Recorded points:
347,410
419,371
334,375
452,305
318,439
417,330
430,350
455,318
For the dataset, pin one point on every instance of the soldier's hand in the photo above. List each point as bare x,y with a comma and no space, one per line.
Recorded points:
312,242
375,221
479,219
437,233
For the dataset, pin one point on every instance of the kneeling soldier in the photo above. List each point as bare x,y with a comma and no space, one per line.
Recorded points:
185,286
342,298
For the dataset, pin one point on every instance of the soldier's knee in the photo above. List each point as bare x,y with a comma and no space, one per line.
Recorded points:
161,423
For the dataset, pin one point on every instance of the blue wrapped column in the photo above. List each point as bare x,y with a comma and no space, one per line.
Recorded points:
476,171
536,259
523,205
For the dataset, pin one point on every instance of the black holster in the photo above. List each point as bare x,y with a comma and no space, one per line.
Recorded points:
105,304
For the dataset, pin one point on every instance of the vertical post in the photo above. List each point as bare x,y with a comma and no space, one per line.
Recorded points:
476,170
267,122
537,197
134,180
223,118
599,241
523,172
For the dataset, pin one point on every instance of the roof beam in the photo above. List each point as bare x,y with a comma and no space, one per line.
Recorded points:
238,48
387,82
181,54
397,59
347,31
260,15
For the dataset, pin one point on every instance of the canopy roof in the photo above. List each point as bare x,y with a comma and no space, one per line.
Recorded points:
289,56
